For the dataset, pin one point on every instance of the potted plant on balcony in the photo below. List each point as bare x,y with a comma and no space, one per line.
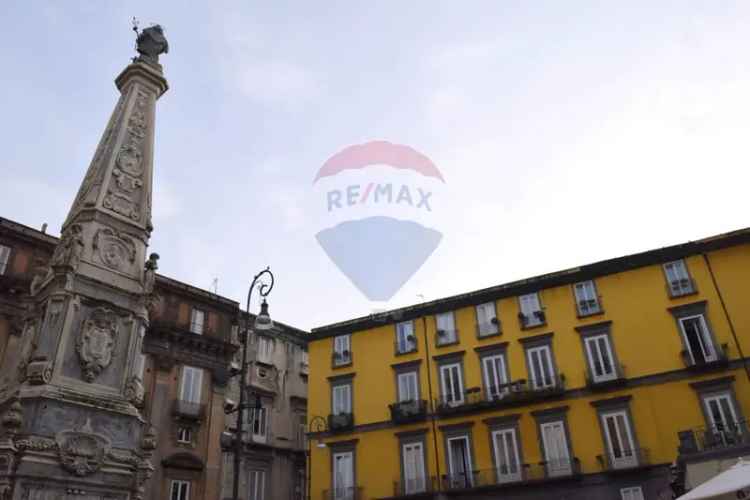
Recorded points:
539,315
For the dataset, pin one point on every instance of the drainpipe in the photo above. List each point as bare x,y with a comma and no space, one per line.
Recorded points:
726,314
431,404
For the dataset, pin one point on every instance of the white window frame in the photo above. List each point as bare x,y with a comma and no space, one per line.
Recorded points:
446,322
342,349
728,421
259,424
341,399
343,491
558,464
678,278
415,477
191,394
408,386
179,490
529,304
257,484
4,258
265,349
404,330
596,357
508,466
587,300
487,322
468,479
624,436
541,352
184,435
197,320
704,337
631,493
494,370
453,395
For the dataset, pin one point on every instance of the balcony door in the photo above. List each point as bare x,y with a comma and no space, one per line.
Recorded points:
600,358
459,463
506,455
414,473
556,453
540,366
343,476
407,387
342,399
494,376
192,380
620,444
451,384
724,426
698,339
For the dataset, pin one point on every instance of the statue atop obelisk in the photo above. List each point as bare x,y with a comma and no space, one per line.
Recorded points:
70,385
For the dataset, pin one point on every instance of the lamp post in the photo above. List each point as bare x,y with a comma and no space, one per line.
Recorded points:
316,424
262,322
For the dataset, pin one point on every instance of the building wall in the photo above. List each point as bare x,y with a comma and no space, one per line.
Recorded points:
644,336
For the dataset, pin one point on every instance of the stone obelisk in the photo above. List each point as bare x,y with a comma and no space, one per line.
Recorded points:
70,423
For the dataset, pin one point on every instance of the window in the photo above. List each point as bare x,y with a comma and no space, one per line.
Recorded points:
620,446
678,279
4,258
507,461
451,384
599,354
197,320
412,455
446,328
408,387
179,490
556,455
342,399
724,426
257,486
406,341
184,435
342,354
698,339
258,419
587,301
487,323
459,462
343,475
265,350
540,366
305,361
192,379
633,493
531,311
495,376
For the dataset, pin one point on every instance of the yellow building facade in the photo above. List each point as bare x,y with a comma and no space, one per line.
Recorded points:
586,383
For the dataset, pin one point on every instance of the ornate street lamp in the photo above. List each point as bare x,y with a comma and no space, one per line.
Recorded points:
316,425
262,322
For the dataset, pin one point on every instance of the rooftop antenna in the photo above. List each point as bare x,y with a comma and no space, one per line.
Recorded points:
215,286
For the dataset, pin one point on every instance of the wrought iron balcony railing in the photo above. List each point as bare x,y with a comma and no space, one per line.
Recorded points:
341,422
512,393
617,377
680,287
513,474
715,437
699,362
348,493
624,459
415,486
408,411
188,409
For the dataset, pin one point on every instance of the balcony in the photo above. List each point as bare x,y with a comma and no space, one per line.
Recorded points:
589,307
446,337
624,460
350,493
516,393
701,364
488,329
513,476
343,358
408,411
406,346
188,410
415,487
536,318
616,379
681,287
341,423
717,438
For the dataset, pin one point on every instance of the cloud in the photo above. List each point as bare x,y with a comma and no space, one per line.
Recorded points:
276,82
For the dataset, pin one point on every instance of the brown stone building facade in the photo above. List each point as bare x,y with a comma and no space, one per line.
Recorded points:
186,366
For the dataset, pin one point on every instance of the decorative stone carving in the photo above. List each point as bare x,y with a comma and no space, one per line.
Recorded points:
150,43
96,342
116,250
149,274
36,443
82,452
134,390
70,248
12,419
149,441
130,158
40,274
39,371
122,204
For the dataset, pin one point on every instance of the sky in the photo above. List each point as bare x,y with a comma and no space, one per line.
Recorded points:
566,132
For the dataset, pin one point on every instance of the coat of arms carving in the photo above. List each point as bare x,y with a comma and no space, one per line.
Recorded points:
96,342
82,452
